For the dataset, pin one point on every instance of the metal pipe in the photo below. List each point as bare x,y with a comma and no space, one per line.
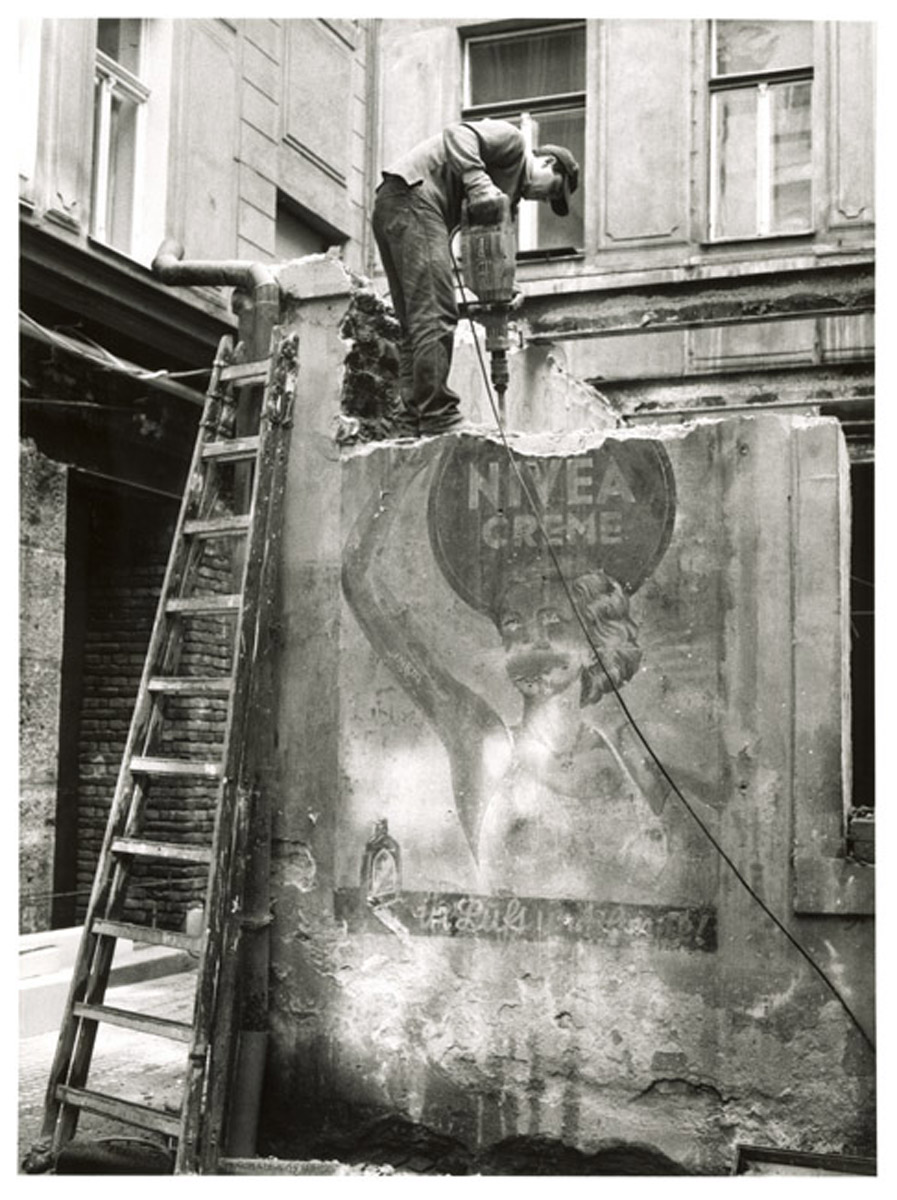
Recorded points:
249,1075
170,267
124,483
675,324
700,410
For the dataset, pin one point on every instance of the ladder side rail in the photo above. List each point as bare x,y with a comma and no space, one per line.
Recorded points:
95,953
231,822
201,491
164,645
200,1092
262,567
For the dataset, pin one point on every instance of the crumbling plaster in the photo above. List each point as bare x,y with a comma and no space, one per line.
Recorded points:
462,1018
43,486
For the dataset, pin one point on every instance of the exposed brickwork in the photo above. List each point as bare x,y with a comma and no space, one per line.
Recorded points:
122,598
369,399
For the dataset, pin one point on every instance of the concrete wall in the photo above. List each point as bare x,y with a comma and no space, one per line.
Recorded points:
492,917
41,606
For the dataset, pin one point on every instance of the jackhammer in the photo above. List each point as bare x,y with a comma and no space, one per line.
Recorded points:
488,258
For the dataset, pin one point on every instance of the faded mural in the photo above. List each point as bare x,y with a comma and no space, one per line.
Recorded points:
468,600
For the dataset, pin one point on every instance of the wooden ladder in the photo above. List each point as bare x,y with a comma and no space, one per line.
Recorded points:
250,471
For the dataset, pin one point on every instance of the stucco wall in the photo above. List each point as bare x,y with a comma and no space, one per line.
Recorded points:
541,941
41,608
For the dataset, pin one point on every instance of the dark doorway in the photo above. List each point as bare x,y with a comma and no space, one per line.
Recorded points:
117,544
862,632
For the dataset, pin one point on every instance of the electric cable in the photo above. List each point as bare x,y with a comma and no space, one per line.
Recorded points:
104,360
147,882
568,591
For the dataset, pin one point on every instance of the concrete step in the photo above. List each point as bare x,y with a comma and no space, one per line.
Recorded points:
45,973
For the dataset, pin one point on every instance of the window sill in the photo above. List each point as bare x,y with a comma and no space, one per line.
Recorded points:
564,253
861,835
112,252
826,880
745,241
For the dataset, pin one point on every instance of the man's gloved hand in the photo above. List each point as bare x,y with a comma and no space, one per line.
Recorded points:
484,206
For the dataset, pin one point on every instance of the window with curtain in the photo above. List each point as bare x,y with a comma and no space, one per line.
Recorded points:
761,159
119,99
535,78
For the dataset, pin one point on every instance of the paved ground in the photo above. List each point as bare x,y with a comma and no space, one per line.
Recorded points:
142,1068
137,1067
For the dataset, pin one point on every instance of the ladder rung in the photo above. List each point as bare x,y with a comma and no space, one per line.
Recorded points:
203,605
198,685
121,1110
173,851
233,450
175,766
178,1031
246,373
217,526
147,935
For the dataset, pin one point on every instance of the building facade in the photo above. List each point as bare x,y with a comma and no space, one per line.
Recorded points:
716,276
488,926
242,140
719,256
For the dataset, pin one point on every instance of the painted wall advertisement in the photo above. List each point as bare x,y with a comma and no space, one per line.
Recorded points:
522,624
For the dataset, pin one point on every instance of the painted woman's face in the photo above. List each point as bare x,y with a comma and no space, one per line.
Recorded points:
545,648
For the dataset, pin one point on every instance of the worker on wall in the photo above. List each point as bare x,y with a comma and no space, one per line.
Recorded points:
416,209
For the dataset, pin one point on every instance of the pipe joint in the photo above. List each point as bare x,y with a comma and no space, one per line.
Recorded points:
173,269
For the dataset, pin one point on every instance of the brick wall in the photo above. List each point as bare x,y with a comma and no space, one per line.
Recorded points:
369,401
125,573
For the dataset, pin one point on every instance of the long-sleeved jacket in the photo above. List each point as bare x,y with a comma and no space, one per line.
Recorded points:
462,161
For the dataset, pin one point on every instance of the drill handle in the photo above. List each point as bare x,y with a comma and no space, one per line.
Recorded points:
489,256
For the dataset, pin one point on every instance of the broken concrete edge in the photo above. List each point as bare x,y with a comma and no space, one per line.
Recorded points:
315,277
323,277
567,442
280,1166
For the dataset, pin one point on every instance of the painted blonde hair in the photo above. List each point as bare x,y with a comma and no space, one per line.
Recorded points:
604,607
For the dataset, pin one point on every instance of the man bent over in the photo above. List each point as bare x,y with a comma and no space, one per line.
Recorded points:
417,209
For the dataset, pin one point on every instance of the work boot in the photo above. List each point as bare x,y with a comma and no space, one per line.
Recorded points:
406,425
461,425
446,423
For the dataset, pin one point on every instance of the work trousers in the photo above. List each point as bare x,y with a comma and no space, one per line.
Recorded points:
414,247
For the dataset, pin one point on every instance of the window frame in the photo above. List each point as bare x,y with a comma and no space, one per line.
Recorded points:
763,82
30,66
827,876
527,110
112,80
